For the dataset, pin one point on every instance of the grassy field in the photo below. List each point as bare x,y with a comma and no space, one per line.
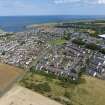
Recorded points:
57,42
90,91
18,95
8,74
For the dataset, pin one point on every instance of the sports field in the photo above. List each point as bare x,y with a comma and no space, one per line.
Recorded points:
8,75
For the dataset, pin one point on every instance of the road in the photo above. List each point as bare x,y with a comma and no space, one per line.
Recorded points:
40,56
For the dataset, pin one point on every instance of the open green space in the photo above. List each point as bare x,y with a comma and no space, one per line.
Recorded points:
90,91
57,42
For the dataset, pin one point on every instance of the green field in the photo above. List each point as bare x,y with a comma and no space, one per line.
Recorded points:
90,91
57,42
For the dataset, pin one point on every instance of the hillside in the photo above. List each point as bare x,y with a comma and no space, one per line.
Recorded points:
18,95
90,91
8,76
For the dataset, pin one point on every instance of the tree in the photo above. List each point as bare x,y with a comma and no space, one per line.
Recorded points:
102,51
67,94
66,36
78,41
3,53
42,87
32,69
92,46
94,34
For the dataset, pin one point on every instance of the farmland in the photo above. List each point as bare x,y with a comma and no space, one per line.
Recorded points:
8,75
21,96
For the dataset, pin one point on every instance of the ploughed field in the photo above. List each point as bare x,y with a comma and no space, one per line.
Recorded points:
8,76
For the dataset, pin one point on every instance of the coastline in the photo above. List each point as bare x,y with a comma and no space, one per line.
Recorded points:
18,23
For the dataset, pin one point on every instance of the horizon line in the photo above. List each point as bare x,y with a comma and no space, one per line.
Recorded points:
58,15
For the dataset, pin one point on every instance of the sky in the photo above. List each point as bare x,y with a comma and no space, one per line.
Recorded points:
51,7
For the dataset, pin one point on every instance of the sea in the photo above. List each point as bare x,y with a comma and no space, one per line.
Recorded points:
18,23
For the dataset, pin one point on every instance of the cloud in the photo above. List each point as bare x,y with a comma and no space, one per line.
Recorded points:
101,1
79,1
13,5
65,1
42,7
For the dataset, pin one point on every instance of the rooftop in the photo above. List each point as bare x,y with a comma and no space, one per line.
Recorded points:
102,36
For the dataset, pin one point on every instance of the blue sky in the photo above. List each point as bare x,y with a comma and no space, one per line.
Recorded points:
52,7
